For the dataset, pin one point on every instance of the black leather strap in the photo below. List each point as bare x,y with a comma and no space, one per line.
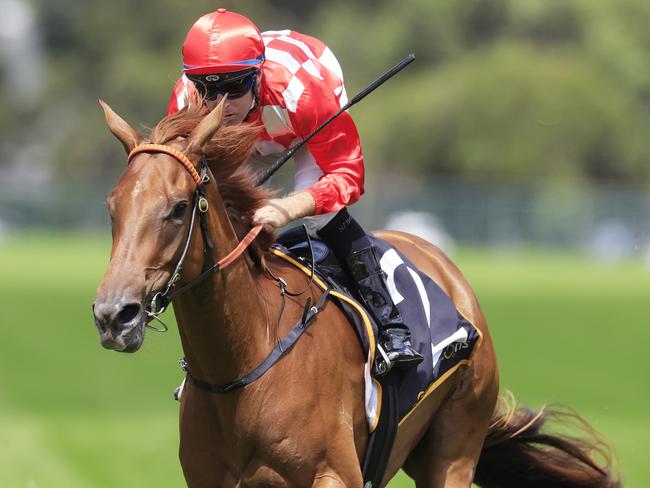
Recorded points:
274,356
380,443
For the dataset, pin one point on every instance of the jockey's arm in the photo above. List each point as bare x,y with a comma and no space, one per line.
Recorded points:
336,150
278,212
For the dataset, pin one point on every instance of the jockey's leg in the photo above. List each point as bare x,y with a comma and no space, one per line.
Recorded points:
352,246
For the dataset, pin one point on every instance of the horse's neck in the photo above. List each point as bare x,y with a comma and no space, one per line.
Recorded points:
223,320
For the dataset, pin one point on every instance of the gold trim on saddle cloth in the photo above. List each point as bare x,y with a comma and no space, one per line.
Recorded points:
433,386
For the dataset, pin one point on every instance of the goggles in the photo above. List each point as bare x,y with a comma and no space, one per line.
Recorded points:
235,85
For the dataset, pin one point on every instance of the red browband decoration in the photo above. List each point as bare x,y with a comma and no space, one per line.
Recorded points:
175,153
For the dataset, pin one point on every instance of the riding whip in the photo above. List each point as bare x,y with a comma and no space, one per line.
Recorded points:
360,96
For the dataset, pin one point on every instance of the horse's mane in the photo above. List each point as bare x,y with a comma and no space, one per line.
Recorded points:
225,153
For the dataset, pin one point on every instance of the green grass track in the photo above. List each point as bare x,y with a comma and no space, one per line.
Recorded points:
567,330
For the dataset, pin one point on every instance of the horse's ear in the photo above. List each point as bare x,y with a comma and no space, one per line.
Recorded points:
126,134
203,132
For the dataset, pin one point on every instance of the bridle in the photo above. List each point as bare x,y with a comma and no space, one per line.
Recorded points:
161,299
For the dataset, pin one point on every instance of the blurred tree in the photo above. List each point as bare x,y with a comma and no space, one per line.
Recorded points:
553,22
510,114
482,21
523,90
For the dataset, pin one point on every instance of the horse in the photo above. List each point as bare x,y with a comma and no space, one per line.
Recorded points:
302,423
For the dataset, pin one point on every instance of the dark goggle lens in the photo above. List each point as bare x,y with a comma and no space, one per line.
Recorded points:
234,89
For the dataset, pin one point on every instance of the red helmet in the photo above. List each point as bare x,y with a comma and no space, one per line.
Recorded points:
221,42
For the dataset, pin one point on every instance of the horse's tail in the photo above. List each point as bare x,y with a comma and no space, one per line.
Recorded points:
517,453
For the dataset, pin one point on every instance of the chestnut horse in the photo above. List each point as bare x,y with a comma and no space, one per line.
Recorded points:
302,424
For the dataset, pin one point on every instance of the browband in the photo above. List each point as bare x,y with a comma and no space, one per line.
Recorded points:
175,153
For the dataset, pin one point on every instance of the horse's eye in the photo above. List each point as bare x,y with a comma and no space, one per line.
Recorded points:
178,213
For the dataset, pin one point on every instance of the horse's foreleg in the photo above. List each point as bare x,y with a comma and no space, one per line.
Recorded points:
447,455
198,450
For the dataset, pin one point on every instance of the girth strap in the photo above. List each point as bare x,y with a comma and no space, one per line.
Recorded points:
381,440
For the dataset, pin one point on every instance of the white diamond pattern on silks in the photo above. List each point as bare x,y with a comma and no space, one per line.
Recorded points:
328,60
301,45
303,58
284,58
311,68
293,93
268,36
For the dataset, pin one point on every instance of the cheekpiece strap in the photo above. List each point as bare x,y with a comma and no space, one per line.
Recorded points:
175,153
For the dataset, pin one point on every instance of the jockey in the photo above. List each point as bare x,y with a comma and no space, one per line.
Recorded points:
290,83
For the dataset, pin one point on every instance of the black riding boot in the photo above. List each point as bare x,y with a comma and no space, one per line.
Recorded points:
351,244
395,337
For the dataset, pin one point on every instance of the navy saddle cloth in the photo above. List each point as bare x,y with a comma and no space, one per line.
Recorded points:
439,332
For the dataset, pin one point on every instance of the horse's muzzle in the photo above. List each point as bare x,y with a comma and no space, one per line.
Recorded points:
120,325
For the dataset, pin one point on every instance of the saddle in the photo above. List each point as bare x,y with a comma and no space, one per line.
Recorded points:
314,251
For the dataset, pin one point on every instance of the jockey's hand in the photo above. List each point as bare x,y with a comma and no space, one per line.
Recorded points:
278,212
272,215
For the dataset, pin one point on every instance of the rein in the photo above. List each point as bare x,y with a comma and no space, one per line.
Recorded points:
161,300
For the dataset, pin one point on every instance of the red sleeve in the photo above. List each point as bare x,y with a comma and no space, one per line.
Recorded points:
336,149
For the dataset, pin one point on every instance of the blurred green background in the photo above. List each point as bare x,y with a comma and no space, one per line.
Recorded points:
517,142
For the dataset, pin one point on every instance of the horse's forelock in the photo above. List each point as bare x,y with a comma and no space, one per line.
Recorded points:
225,153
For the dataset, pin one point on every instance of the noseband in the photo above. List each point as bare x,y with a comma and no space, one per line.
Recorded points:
161,300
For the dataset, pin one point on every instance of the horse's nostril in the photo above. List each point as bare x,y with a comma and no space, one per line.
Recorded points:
128,313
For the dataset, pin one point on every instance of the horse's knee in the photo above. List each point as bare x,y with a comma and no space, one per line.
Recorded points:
329,480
